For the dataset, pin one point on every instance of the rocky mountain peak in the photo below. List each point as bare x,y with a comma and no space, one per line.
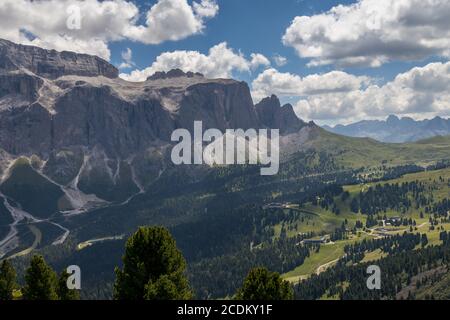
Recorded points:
52,64
273,115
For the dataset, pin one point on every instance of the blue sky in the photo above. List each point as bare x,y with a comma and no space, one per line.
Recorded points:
255,26
250,26
246,25
344,60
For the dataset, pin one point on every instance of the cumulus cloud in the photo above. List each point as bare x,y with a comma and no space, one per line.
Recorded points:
280,60
271,81
220,62
206,8
258,60
48,23
373,32
127,57
172,20
420,92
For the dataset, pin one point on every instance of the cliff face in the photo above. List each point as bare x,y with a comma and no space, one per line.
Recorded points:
96,116
52,64
222,105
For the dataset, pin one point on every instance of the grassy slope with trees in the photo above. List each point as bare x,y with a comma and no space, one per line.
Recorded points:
436,187
218,218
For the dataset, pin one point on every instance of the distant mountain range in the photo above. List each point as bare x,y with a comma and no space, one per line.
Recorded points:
394,129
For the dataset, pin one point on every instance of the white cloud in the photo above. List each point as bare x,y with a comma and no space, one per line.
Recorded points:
373,32
220,62
127,57
206,8
280,60
92,46
272,81
101,23
172,20
258,60
420,92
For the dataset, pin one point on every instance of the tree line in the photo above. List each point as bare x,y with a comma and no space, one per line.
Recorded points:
211,279
348,281
153,269
41,282
389,196
389,245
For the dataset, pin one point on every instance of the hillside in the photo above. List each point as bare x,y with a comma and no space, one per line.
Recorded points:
413,204
358,152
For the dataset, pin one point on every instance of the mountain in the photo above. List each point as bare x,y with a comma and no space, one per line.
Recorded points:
72,130
394,129
55,105
85,160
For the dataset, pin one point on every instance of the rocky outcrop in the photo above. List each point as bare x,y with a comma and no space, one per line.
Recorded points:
274,116
26,130
174,73
20,84
52,64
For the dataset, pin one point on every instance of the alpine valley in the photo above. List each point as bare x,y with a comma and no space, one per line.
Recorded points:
85,160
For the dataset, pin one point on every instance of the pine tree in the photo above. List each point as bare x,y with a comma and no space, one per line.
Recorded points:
153,268
7,280
162,289
64,293
354,205
261,284
424,240
40,281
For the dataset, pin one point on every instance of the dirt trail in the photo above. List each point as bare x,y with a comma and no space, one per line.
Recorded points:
325,266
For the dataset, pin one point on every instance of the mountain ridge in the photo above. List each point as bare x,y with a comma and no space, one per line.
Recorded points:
395,129
51,63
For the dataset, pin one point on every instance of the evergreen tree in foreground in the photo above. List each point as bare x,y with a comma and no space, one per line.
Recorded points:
40,281
261,284
64,293
153,268
7,280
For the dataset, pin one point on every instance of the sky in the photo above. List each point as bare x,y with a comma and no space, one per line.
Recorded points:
334,61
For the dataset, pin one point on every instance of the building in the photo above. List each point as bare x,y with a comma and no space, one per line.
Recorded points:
322,240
